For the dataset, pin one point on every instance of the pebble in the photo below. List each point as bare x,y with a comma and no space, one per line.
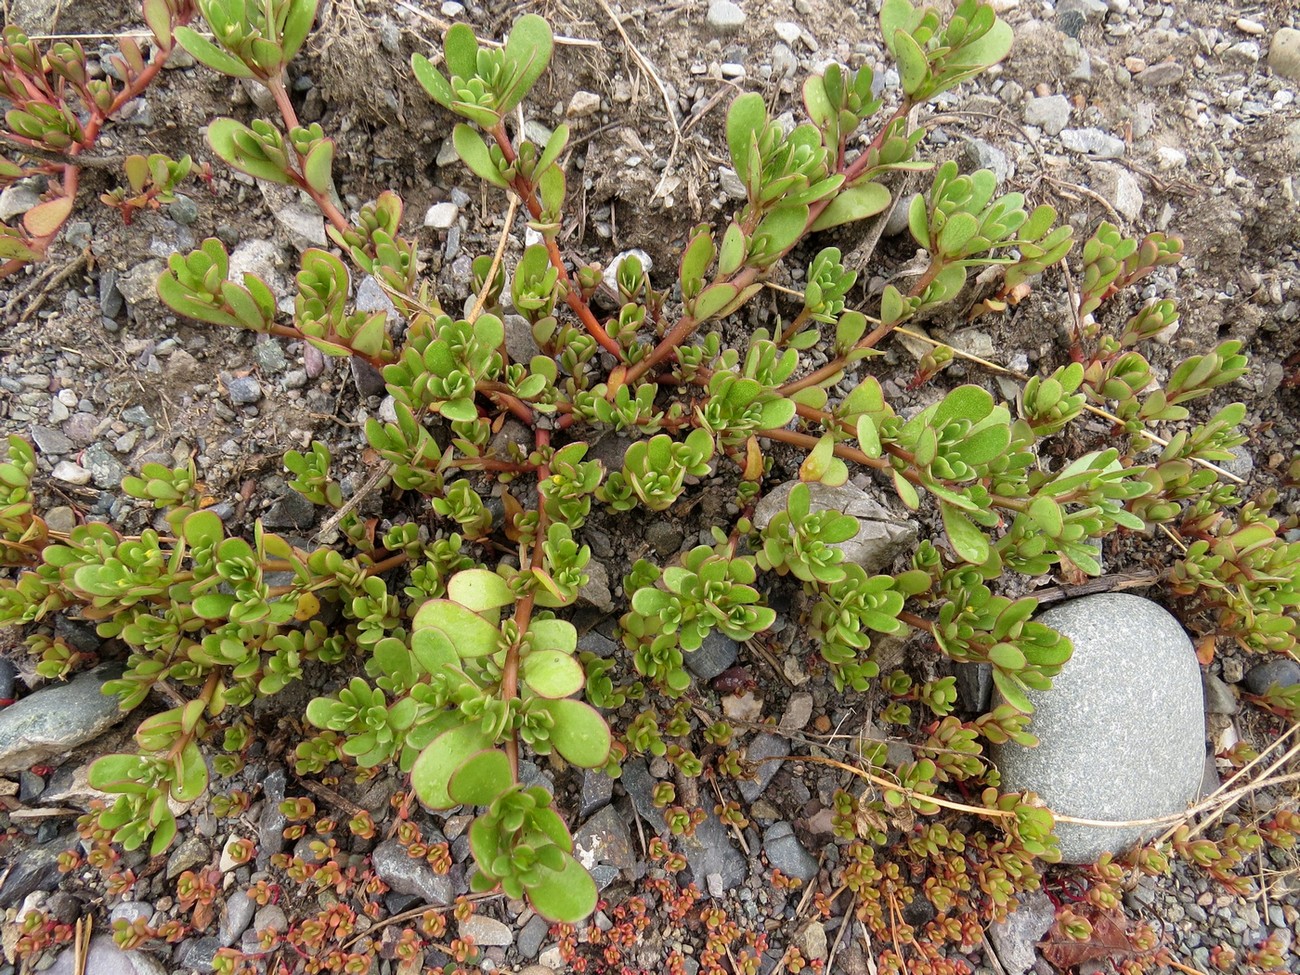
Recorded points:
1119,187
407,875
604,839
243,390
1121,732
983,155
1219,698
1051,113
56,719
798,712
192,852
1252,27
1259,678
788,31
50,441
235,918
106,958
17,200
105,470
597,790
486,930
711,853
1284,53
882,535
582,104
764,746
715,654
70,473
531,936
725,16
1015,938
787,854
441,216
1162,75
1092,142
271,918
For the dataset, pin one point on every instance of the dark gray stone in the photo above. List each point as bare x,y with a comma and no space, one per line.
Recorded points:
50,441
787,854
664,537
35,867
407,875
881,536
639,784
106,958
56,719
192,852
290,511
974,686
1015,938
235,918
1280,671
270,831
1121,732
1219,698
716,654
531,936
105,469
597,790
604,838
711,853
243,390
196,954
763,746
369,380
271,918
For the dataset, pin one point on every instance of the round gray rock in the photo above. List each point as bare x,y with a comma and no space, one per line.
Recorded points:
1122,731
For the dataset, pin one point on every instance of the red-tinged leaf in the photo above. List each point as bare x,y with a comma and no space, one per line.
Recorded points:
46,218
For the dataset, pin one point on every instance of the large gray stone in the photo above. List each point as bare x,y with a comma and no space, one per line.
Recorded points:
408,875
881,536
106,958
57,719
1121,732
711,853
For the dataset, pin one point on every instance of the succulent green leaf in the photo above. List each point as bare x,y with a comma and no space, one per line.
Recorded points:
745,118
479,590
318,166
552,673
528,51
471,634
567,895
854,203
553,635
207,53
580,734
433,769
460,48
483,777
970,544
474,153
224,135
712,300
432,80
297,25
913,64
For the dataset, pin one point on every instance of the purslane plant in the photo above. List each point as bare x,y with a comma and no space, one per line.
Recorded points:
467,660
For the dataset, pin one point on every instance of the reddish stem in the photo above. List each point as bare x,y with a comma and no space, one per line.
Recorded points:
572,297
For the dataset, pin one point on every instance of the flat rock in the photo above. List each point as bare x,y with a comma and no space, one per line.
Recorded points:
763,746
407,875
56,719
1119,187
1162,75
597,791
1121,732
881,536
106,958
1015,938
1050,113
604,839
726,16
715,654
711,852
17,200
486,931
32,868
442,216
1092,142
787,854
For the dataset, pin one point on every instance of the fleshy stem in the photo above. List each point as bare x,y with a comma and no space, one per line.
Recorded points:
524,608
276,87
572,297
687,324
